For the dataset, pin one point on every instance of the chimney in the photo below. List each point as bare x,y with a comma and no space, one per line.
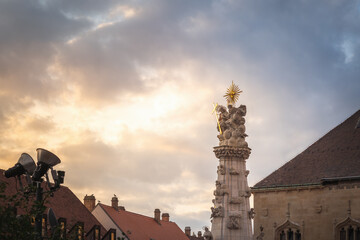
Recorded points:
115,202
165,217
157,215
187,231
199,234
89,202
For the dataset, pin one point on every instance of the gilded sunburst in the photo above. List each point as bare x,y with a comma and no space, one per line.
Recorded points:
232,94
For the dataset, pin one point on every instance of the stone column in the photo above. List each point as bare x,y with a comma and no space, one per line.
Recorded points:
231,214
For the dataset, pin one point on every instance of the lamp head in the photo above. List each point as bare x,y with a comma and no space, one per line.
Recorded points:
25,164
46,160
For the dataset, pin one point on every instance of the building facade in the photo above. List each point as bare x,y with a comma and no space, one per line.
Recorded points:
316,195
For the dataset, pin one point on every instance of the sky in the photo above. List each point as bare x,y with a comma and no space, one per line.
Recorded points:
123,91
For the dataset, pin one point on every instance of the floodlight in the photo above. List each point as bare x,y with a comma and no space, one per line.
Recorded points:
25,164
46,160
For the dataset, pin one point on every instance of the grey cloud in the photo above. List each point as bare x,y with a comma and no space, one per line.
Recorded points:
30,35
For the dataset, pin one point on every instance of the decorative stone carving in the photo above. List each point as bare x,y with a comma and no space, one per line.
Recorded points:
207,234
220,190
247,193
264,212
252,213
247,173
236,200
232,126
233,221
217,212
221,170
233,171
230,151
217,200
318,209
261,235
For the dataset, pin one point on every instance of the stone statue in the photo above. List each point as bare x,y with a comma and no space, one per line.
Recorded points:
221,169
252,213
207,234
232,126
216,212
261,235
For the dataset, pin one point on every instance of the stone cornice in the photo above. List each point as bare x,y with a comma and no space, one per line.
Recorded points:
242,153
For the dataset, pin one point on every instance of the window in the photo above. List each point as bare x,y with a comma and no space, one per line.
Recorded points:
43,226
288,231
349,229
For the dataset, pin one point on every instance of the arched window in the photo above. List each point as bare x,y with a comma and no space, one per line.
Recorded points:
349,229
288,231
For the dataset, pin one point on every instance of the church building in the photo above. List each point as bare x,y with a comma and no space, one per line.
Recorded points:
316,195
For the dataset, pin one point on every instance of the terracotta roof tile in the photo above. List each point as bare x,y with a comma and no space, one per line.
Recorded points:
64,204
139,227
337,154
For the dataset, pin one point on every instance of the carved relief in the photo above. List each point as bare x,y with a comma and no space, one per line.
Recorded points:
264,212
221,189
233,221
247,173
230,151
236,200
247,193
233,171
318,209
221,170
216,212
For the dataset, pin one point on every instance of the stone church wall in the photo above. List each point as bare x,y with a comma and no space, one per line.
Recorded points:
315,210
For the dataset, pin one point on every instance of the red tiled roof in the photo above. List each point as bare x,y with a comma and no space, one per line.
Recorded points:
64,204
337,154
139,227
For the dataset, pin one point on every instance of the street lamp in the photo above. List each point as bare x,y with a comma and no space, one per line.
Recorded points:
26,165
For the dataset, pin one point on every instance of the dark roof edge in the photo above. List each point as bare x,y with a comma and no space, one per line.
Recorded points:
289,186
325,181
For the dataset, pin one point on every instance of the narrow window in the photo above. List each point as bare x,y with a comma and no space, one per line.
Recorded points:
351,233
357,234
290,234
298,235
97,234
282,235
43,226
342,234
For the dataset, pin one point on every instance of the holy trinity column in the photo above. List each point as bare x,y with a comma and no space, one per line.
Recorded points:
231,214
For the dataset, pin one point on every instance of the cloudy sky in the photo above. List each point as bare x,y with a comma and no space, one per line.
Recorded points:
122,91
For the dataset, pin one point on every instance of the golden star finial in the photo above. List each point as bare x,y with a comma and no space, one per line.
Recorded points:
232,94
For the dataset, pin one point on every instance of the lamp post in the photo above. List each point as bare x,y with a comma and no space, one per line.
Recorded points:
26,165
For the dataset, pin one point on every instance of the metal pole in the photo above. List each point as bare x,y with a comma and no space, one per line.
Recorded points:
38,218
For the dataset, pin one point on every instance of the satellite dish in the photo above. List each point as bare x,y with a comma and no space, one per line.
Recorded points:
25,164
